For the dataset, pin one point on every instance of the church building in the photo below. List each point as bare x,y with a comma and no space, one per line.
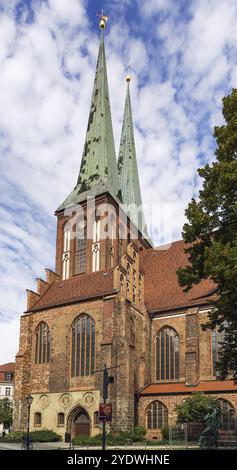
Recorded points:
113,299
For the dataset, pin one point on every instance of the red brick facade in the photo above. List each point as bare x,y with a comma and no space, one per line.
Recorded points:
117,300
114,300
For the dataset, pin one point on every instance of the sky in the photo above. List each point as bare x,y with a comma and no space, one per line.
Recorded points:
182,57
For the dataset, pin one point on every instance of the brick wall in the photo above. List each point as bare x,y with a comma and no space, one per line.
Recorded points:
170,401
121,340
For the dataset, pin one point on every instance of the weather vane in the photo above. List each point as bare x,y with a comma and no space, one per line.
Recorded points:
103,19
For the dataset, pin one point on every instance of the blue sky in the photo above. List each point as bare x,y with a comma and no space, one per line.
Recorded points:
182,56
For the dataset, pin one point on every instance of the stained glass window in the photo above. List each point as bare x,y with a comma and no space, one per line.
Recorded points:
156,415
167,355
42,344
83,346
228,416
217,340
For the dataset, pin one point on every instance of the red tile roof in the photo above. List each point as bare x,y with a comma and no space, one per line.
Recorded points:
162,290
4,368
9,367
76,288
182,388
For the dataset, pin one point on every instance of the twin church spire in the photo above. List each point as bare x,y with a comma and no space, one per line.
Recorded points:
127,166
99,171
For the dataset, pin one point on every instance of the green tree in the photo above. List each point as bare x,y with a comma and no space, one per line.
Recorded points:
6,413
196,408
211,233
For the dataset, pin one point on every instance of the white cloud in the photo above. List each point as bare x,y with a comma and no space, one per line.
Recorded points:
154,6
72,13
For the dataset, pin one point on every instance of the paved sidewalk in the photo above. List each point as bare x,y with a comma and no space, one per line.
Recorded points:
65,446
36,446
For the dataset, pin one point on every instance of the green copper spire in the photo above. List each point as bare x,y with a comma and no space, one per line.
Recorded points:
127,168
98,171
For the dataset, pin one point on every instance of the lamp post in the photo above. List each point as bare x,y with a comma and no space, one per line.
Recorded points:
29,400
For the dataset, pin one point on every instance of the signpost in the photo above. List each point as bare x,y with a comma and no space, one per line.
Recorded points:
105,409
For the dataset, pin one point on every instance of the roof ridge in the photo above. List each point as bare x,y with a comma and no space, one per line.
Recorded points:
41,296
80,276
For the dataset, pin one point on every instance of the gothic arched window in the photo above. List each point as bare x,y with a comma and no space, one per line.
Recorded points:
81,242
156,415
167,355
228,416
96,246
37,419
218,336
83,346
61,419
42,343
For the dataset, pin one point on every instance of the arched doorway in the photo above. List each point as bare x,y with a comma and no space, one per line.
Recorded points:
81,424
78,422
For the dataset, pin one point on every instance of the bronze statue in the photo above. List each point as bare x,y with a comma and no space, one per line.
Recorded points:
209,436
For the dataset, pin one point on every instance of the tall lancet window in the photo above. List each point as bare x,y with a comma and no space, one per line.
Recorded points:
218,339
42,343
81,243
66,253
96,246
83,346
167,355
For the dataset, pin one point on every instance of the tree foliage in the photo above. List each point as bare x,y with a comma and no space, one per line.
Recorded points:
211,232
6,413
196,408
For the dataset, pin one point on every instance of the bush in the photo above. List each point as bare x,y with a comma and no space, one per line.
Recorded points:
44,435
165,433
139,433
16,436
196,407
81,440
84,440
120,438
156,442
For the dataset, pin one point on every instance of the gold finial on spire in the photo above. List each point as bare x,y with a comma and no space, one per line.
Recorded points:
103,19
128,77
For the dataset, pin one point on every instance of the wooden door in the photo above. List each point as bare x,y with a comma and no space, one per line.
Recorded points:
82,428
81,424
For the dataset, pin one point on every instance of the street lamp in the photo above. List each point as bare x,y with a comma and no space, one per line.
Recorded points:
29,400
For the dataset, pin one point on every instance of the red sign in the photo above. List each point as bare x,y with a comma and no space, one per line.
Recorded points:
105,411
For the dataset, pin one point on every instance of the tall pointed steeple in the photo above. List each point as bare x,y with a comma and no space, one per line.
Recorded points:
98,171
127,167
